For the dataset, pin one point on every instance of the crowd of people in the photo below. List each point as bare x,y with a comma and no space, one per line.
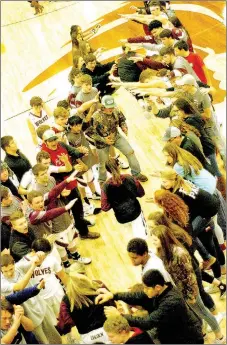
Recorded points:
82,147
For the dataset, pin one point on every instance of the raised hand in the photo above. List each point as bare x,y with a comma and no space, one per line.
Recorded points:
70,204
104,296
64,158
111,311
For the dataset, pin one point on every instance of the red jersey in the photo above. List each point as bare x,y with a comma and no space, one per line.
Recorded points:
197,64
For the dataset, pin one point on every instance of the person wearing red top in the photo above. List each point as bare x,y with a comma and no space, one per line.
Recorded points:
181,49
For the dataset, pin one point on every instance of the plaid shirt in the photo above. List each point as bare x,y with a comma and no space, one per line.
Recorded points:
106,125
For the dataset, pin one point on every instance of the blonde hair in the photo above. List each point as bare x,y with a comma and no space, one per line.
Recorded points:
116,324
185,127
78,288
170,174
61,112
183,158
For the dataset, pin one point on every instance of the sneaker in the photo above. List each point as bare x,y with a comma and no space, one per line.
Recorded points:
208,263
212,289
141,178
220,341
95,196
89,222
122,164
84,260
219,317
222,288
88,209
90,235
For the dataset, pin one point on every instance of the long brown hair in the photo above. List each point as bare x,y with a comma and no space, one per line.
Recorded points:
183,158
113,168
168,242
160,218
185,127
178,181
173,206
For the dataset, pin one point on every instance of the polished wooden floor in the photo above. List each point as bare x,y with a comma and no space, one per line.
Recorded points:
36,60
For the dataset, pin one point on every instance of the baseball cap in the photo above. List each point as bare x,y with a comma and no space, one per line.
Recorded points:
187,79
49,135
108,102
171,132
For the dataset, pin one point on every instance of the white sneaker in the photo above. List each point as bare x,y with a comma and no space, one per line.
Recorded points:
220,341
84,260
219,317
211,289
88,209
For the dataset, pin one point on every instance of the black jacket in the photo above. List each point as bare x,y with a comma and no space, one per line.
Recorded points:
127,70
19,164
189,145
20,244
168,313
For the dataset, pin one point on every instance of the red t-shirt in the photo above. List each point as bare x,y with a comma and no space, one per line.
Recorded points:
197,64
54,156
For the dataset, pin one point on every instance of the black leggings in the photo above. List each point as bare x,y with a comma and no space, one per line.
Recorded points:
206,298
77,211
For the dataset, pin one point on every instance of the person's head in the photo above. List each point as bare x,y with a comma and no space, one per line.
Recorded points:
78,61
6,172
86,83
7,266
173,206
155,9
117,329
180,48
75,29
173,135
175,21
7,311
36,103
164,240
64,104
78,288
90,62
36,200
153,283
170,178
187,83
137,251
108,104
19,222
43,158
41,245
175,154
61,116
147,75
155,27
6,197
113,168
84,48
182,108
40,172
75,124
75,41
168,56
51,140
160,218
126,48
166,37
8,144
41,130
74,76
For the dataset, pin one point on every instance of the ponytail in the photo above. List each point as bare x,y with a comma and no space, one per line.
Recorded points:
113,168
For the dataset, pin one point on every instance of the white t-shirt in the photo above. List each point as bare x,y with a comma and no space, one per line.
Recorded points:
156,263
47,271
35,307
28,179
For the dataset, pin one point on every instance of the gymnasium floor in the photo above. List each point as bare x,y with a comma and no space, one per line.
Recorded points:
36,59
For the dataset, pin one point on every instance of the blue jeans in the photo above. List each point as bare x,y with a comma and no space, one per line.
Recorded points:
122,145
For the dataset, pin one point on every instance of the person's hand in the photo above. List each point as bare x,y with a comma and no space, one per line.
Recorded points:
81,167
104,296
208,228
191,301
64,158
41,284
70,204
122,307
18,310
134,8
123,40
17,318
6,251
83,149
155,173
96,99
125,130
111,311
51,238
24,206
135,58
113,69
109,141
